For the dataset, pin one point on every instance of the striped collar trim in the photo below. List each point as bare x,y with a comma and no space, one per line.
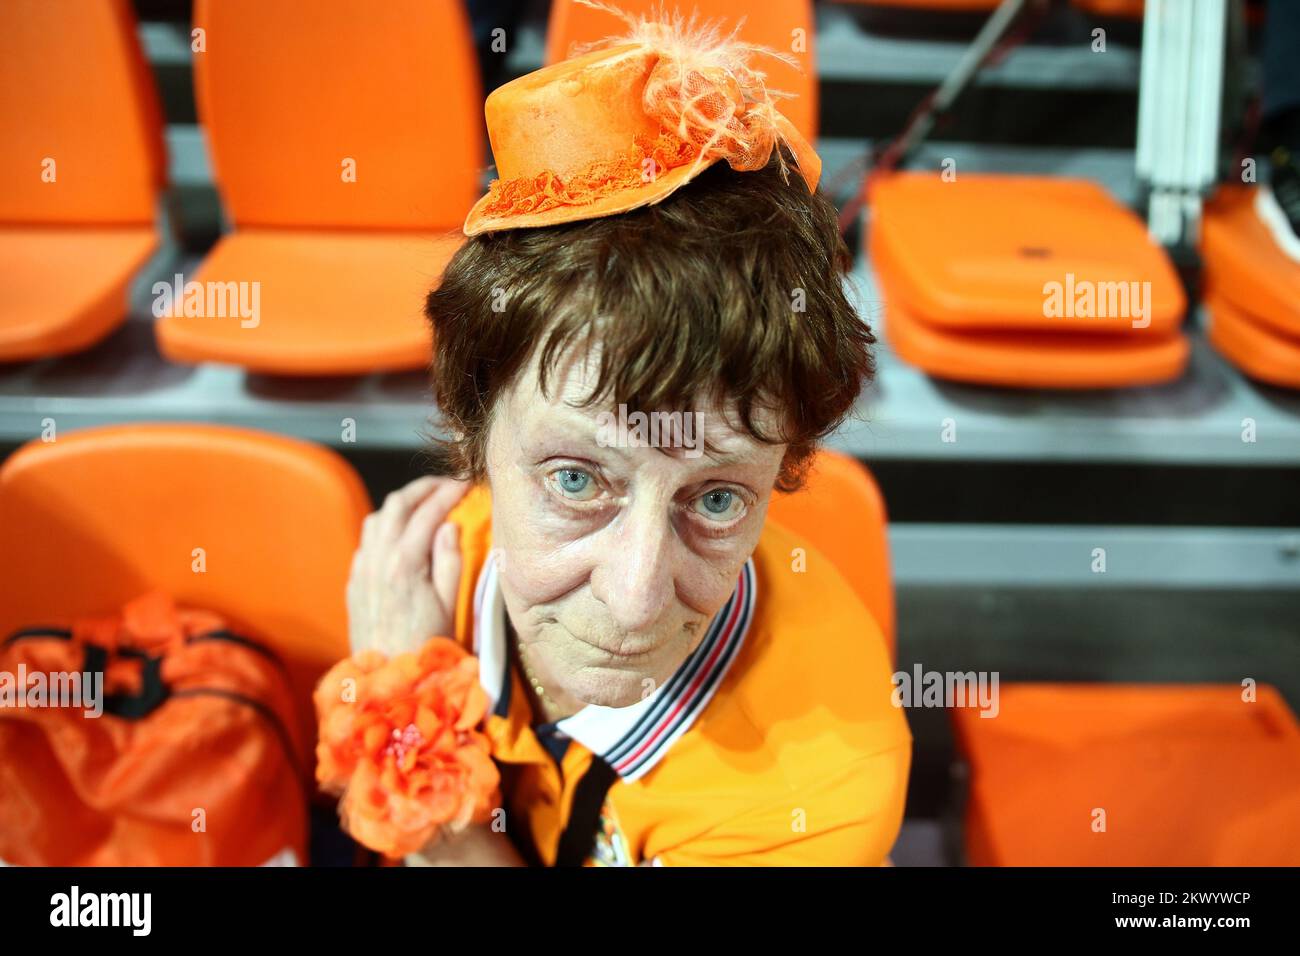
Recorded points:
631,739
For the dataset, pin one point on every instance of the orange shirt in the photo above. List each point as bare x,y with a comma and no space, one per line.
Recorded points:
775,743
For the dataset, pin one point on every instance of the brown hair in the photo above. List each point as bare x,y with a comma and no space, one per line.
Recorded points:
692,299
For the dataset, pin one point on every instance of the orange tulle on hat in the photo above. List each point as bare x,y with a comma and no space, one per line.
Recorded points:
630,122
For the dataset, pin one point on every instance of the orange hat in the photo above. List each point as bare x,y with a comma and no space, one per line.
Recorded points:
630,123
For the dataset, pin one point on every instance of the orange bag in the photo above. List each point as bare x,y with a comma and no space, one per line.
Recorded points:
152,737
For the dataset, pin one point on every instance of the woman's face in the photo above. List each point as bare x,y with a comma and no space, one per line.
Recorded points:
613,555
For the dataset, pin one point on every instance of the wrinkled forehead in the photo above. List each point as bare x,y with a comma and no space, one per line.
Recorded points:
566,403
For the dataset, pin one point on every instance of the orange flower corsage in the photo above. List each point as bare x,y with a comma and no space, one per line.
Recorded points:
399,740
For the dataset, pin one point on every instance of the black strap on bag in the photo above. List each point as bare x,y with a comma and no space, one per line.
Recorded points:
153,692
27,633
579,836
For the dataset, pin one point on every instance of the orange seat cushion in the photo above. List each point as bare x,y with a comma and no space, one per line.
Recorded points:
980,251
330,303
1256,348
1185,775
1243,264
63,289
1034,360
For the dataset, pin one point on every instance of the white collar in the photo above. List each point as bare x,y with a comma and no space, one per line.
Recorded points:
630,739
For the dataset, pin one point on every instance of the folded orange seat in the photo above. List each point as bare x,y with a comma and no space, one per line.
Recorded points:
1255,347
1252,291
985,273
1035,359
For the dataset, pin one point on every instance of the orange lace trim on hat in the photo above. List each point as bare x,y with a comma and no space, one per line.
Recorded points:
546,190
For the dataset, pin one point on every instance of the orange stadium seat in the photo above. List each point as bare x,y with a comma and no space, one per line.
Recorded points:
1034,359
842,513
975,253
98,517
347,143
1244,264
82,162
1256,348
1132,775
1023,281
773,24
1252,290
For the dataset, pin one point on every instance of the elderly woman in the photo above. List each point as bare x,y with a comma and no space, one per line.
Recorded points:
665,684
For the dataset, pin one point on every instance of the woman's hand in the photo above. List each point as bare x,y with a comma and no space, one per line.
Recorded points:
476,845
406,572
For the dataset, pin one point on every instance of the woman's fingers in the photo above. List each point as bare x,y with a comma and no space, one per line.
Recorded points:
392,516
396,601
446,569
415,544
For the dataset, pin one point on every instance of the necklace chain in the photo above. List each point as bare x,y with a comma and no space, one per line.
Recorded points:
538,689
543,698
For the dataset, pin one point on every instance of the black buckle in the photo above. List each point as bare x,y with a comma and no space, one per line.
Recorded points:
153,692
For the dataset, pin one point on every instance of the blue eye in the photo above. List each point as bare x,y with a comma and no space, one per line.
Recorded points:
720,505
573,483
